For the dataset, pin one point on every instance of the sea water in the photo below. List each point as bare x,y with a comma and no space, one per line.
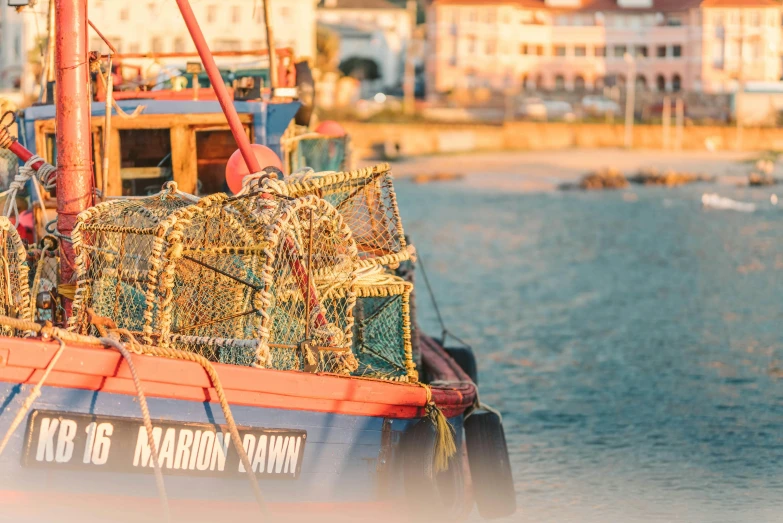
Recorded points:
632,340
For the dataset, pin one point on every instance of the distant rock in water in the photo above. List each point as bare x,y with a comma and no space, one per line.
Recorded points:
668,178
436,177
761,180
607,178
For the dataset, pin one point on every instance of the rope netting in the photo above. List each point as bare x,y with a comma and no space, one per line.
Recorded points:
320,153
382,339
255,280
9,168
14,284
366,200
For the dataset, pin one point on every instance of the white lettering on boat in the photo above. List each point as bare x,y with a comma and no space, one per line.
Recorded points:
45,450
277,451
82,441
143,454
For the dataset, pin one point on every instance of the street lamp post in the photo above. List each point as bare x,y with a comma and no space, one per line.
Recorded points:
630,99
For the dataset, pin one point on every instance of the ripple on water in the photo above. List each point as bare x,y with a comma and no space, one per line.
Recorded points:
633,347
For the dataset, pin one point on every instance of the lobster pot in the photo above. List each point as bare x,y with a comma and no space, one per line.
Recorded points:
382,333
204,277
9,168
14,284
319,153
366,200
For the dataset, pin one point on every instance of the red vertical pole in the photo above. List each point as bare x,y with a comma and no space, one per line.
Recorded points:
72,119
220,88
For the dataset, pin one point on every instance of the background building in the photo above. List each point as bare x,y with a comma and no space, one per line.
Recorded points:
695,45
156,26
374,36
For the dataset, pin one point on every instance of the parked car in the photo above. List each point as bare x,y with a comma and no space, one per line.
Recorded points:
538,109
600,106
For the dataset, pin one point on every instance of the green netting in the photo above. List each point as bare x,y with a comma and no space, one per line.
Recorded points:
381,340
320,154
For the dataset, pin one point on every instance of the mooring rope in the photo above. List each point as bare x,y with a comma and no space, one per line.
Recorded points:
34,395
145,414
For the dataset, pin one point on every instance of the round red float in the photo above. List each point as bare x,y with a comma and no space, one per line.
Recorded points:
236,168
331,129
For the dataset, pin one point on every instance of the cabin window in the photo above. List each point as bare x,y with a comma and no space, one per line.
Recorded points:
213,148
145,160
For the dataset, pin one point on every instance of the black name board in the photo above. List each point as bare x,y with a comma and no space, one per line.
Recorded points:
86,442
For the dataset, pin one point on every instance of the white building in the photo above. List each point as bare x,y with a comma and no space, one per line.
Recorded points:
135,26
376,30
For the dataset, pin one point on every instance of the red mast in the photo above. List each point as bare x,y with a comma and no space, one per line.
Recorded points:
72,102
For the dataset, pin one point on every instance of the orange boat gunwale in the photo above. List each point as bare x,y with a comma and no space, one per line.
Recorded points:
88,367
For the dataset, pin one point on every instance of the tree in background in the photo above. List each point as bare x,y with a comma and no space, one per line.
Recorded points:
327,44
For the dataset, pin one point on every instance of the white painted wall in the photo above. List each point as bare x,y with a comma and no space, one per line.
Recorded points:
156,26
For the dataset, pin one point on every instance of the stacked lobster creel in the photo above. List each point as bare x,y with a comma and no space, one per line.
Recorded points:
367,202
252,280
14,273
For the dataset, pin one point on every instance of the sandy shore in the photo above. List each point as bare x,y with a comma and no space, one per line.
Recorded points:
545,170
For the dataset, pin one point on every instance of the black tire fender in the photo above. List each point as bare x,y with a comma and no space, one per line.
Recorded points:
490,468
466,359
424,488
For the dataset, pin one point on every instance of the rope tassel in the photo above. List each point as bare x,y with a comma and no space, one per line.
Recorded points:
445,447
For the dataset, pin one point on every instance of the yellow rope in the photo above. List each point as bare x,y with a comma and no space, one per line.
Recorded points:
145,414
224,405
445,447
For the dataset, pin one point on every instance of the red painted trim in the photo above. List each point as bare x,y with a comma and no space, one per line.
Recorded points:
461,391
94,368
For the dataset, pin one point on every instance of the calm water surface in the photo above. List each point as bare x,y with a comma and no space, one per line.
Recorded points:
631,339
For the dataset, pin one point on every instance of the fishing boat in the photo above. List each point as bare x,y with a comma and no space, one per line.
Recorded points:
212,355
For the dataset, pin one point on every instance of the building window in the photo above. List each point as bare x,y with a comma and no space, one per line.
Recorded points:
124,14
600,50
523,49
236,14
285,12
212,14
491,17
157,45
559,82
641,51
660,51
641,82
717,19
619,51
560,50
471,44
579,83
755,19
580,50
179,45
677,51
676,83
491,47
674,21
472,15
660,83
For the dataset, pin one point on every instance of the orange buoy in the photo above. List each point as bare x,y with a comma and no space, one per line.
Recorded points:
236,168
331,129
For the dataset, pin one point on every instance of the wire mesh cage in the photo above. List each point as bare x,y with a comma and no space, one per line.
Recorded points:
382,332
252,280
9,168
320,153
366,200
14,284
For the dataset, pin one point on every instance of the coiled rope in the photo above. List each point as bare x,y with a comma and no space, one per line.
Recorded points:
45,175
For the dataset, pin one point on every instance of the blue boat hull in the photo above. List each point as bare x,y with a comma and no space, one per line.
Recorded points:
340,463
